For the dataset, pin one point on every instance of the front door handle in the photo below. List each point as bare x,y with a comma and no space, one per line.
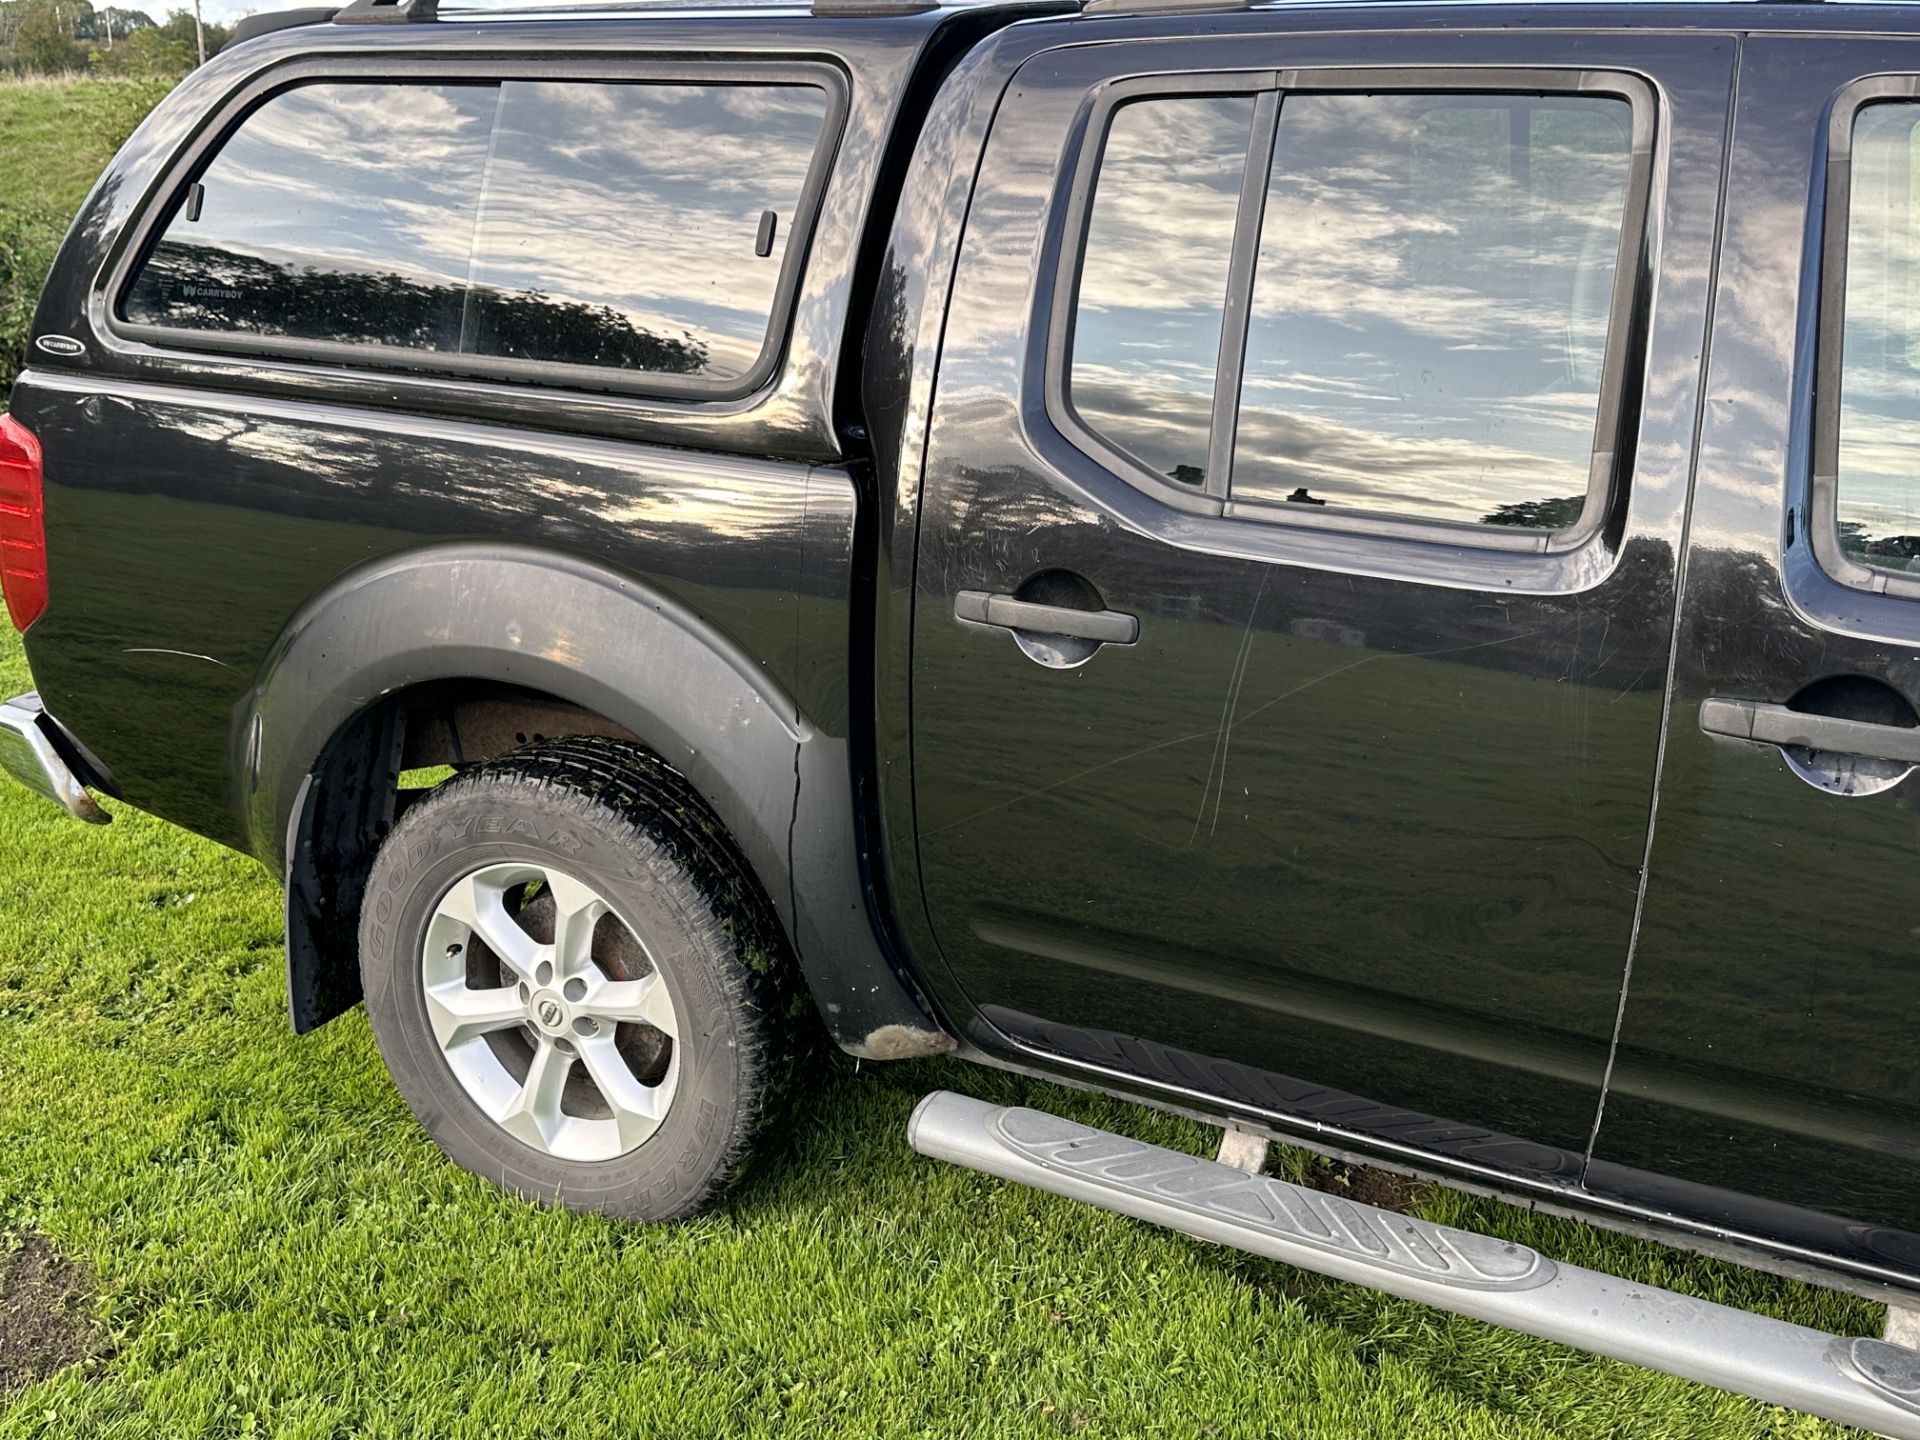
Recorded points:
1107,627
1777,725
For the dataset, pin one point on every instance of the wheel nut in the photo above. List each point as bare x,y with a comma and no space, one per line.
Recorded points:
576,989
584,1026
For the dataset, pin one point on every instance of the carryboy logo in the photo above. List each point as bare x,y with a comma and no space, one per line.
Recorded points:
60,345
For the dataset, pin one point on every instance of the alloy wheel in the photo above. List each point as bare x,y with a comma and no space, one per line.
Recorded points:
550,1011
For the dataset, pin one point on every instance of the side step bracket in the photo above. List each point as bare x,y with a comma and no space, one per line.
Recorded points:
1867,1383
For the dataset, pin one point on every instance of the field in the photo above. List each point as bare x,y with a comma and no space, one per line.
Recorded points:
211,1228
55,137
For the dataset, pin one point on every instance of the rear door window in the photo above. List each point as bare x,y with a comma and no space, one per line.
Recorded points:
1381,310
1877,486
632,228
1431,305
1154,280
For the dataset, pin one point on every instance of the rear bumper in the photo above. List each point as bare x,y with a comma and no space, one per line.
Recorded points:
28,754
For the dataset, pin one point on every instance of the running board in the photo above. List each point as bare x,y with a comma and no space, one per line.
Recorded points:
1867,1383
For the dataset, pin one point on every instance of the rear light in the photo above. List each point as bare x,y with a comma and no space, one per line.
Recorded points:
23,530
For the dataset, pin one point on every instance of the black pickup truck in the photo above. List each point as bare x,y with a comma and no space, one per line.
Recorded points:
1352,570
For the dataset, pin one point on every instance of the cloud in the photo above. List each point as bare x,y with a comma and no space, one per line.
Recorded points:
216,12
1403,464
1429,315
1879,479
644,199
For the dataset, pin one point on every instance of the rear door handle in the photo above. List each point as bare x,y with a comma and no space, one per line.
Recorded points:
1777,725
1109,627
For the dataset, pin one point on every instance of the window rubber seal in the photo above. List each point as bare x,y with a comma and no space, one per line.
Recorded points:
1823,509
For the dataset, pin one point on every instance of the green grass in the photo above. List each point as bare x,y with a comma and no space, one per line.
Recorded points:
55,138
281,1252
61,133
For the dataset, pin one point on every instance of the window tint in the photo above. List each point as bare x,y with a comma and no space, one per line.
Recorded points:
1430,305
1878,491
611,225
318,221
620,222
1153,282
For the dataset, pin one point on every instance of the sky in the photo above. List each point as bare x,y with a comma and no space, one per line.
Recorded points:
223,12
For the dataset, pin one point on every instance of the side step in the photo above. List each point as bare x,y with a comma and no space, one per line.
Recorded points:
1867,1383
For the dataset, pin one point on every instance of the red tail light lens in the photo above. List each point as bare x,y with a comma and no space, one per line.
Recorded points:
23,530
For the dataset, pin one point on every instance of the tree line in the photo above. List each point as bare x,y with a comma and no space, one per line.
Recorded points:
60,37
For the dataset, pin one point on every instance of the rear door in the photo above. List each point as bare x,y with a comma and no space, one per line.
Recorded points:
1771,1044
1300,725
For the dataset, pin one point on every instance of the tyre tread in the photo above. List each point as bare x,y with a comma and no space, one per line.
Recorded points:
661,812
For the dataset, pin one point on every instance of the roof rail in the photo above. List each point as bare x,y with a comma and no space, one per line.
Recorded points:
247,27
387,12
874,7
1156,7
